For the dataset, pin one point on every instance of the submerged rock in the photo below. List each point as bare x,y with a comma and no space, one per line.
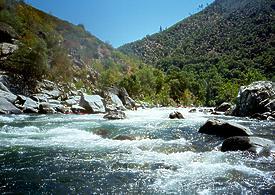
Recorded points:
176,115
124,137
92,103
224,129
252,144
193,110
115,115
102,132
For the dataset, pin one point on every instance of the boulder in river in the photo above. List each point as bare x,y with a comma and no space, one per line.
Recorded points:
224,129
104,133
176,115
123,95
115,115
223,107
92,103
115,102
252,144
46,108
193,110
27,103
6,107
258,97
124,137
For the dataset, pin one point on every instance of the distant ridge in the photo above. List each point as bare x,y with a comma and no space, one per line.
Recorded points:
238,29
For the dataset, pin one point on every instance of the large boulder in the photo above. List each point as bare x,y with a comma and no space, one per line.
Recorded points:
4,88
116,102
70,102
176,115
9,96
115,115
224,129
40,97
92,103
123,95
7,107
257,97
244,143
28,105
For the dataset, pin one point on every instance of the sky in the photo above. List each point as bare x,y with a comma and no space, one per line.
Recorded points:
121,21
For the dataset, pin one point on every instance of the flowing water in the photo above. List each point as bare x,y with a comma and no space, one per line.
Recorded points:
63,154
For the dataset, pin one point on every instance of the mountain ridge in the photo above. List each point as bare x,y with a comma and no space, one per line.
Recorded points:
216,30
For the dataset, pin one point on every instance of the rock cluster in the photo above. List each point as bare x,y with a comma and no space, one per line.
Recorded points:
51,98
237,137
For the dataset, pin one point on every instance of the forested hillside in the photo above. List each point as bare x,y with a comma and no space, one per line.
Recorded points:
202,60
36,45
210,54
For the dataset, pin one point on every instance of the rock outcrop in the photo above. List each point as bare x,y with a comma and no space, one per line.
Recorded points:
258,97
224,129
50,98
252,144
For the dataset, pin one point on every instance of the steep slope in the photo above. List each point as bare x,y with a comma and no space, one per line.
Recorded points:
36,45
239,30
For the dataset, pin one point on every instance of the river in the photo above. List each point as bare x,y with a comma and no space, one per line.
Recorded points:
62,154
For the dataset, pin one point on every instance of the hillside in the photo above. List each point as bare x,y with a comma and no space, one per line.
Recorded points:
228,44
36,45
202,60
238,29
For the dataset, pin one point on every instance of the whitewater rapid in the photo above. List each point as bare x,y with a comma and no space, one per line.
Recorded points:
64,153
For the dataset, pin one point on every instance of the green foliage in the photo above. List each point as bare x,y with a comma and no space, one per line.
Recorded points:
60,51
227,45
28,64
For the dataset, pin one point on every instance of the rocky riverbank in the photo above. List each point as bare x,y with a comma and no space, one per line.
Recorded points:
51,98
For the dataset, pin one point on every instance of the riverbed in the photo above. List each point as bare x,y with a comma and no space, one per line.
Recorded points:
77,154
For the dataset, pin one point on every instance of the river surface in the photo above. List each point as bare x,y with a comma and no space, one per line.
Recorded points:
63,154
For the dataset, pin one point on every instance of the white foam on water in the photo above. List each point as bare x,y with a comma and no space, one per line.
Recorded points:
182,170
196,170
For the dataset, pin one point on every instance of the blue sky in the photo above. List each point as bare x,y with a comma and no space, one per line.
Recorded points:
120,21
